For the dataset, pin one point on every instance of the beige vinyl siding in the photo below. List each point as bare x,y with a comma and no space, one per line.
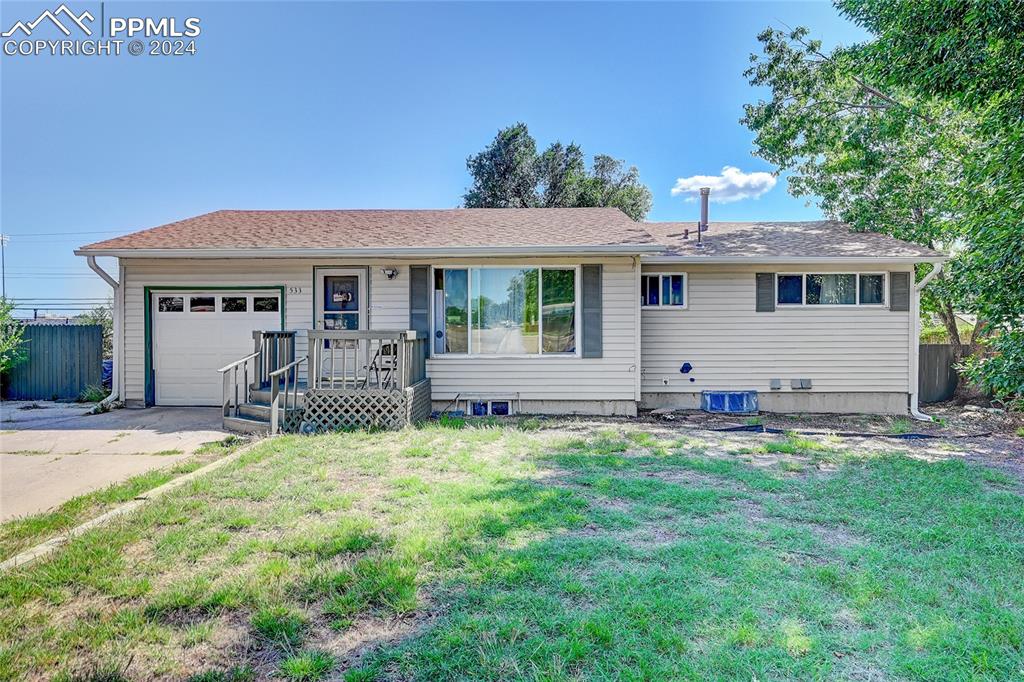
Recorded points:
389,299
610,377
850,348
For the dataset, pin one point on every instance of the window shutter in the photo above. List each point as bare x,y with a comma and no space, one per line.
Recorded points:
419,301
899,291
593,321
765,299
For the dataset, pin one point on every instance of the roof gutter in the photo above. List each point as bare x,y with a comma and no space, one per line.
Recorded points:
407,251
792,259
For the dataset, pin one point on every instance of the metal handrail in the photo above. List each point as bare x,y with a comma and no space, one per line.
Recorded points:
291,375
247,358
229,374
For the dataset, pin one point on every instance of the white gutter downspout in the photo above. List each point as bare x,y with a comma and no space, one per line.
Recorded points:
637,340
915,342
116,313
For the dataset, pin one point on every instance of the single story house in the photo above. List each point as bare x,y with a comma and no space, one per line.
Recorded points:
551,311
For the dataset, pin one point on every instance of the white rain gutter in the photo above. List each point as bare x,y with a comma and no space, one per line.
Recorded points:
118,316
395,252
915,342
782,260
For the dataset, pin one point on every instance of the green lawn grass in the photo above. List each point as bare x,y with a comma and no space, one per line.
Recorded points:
457,552
27,531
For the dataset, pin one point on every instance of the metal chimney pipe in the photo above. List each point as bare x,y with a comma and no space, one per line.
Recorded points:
702,226
704,193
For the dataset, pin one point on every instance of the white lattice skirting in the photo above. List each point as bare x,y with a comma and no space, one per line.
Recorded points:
340,409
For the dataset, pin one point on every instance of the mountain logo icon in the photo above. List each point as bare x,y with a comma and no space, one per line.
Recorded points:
77,20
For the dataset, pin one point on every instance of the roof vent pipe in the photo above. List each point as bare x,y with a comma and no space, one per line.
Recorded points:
702,226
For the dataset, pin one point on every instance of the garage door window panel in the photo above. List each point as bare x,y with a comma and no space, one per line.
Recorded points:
203,304
265,304
234,304
171,304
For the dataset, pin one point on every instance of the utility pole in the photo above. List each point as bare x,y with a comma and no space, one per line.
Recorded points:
3,265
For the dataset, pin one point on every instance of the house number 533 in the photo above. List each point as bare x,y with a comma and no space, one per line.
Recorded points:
294,290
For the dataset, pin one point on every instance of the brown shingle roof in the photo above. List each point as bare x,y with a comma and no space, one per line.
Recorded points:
391,229
547,229
766,239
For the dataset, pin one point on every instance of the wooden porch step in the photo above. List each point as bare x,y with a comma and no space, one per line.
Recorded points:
246,425
261,396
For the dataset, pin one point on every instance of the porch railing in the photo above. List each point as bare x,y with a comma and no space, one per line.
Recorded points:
284,393
276,349
272,350
383,360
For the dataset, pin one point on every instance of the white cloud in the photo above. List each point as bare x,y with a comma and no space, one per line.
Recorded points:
732,185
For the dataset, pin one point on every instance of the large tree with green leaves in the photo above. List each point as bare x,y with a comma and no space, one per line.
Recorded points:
510,173
914,134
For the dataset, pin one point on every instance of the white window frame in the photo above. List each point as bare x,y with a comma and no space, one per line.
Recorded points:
469,267
803,290
667,306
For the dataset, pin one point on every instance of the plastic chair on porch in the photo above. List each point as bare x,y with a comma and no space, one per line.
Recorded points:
383,365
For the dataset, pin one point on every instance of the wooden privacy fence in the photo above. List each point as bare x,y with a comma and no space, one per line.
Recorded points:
61,362
937,378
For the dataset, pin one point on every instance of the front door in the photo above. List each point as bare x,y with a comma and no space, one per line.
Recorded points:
341,299
341,306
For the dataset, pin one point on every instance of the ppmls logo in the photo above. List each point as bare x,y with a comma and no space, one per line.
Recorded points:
166,36
77,20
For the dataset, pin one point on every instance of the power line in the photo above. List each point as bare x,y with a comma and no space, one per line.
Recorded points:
53,234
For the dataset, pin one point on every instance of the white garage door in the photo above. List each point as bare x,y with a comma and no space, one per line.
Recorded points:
196,333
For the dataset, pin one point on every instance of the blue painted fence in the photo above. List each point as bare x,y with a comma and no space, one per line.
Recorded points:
62,361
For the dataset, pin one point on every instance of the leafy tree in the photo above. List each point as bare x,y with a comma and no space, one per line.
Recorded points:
505,173
917,133
867,158
509,173
103,316
970,57
12,351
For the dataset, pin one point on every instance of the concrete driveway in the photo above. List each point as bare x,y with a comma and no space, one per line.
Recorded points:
56,451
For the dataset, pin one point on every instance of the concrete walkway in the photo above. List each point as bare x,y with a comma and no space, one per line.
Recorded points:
55,452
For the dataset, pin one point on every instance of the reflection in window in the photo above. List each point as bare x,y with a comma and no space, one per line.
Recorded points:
558,310
504,311
831,289
872,289
265,304
791,289
456,311
202,304
233,304
663,290
171,304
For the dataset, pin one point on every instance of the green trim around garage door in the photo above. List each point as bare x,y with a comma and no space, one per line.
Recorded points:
148,321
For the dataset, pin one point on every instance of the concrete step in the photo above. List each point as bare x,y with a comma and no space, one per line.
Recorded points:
246,425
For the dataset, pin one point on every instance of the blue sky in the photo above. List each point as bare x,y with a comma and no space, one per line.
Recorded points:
346,105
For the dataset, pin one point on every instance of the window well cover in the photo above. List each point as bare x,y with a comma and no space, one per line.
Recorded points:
738,402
